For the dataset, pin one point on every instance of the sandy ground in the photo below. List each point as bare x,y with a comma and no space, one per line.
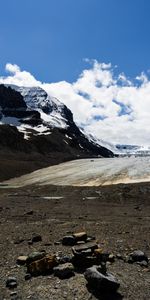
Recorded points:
89,172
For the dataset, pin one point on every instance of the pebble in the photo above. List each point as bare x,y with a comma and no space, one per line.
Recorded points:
11,282
36,238
21,260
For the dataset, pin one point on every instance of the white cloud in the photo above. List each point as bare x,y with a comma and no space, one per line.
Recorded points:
110,106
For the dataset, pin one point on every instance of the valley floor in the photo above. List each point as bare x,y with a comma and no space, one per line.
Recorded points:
118,216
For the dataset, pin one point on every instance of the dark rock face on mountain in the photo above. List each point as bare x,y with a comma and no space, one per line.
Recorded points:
37,128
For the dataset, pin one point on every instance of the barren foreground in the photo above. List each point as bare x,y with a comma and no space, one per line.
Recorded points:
118,216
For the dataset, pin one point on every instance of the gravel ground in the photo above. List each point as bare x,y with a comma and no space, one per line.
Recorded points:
118,216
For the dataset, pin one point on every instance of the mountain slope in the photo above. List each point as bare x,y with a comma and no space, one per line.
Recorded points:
39,129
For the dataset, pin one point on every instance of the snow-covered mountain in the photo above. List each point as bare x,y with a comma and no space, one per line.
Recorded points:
118,149
32,123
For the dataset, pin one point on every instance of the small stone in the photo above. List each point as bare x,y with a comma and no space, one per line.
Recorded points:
13,294
111,258
119,256
98,251
30,212
30,242
21,260
143,263
57,243
80,236
36,238
91,238
138,255
69,240
106,282
64,271
11,282
18,241
28,276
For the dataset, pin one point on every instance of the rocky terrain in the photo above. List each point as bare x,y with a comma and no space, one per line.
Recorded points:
38,218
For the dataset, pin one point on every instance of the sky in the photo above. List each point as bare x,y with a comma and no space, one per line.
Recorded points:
93,55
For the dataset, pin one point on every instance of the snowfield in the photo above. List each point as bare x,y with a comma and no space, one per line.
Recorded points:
89,172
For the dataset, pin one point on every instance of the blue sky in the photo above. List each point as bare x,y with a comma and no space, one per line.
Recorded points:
45,43
50,38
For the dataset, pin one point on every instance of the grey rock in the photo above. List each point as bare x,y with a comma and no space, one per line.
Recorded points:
11,282
138,255
33,256
69,240
106,282
64,270
143,263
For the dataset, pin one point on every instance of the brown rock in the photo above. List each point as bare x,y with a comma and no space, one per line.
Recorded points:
42,266
21,260
80,236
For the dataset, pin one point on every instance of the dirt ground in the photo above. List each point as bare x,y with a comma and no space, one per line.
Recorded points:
118,216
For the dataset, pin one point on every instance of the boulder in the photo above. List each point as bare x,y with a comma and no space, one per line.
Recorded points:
105,282
64,270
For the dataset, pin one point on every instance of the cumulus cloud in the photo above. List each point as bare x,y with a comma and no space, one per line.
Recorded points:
112,107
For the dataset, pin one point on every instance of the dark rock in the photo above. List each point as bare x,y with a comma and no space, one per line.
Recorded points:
106,282
119,256
84,247
36,238
143,263
68,240
11,282
64,270
29,212
28,276
138,255
18,241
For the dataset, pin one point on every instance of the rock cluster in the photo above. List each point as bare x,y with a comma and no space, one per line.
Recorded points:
87,257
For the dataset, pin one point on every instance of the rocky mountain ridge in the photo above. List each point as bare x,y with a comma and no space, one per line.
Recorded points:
39,128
